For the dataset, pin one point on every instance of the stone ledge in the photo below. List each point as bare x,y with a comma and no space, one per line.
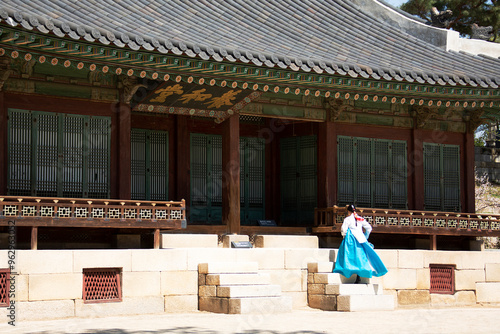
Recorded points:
228,267
286,241
175,240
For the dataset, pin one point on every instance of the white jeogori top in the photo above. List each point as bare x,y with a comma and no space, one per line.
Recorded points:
357,229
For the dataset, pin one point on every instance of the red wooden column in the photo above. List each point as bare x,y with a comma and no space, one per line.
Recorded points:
3,145
34,238
182,159
231,174
327,164
416,169
469,182
433,243
124,168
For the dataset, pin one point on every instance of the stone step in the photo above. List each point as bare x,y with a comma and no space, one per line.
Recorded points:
353,289
353,303
320,267
238,279
333,278
242,291
228,268
259,305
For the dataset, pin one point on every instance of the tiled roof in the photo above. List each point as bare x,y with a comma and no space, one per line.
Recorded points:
332,36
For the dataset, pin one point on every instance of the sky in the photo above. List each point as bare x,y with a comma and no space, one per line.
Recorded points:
396,3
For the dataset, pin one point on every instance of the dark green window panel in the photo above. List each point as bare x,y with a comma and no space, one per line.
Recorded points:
149,165
58,155
206,179
372,172
252,164
442,177
298,180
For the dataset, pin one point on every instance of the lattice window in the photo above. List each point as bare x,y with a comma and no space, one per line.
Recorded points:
4,287
372,172
56,154
452,223
442,278
149,165
473,224
102,285
28,211
340,219
441,177
369,219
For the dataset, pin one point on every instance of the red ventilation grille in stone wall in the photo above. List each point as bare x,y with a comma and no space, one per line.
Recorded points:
442,278
102,285
4,287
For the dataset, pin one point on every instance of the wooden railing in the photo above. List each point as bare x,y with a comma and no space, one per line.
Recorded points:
95,213
412,221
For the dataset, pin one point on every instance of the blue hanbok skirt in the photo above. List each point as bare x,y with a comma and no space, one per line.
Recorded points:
358,258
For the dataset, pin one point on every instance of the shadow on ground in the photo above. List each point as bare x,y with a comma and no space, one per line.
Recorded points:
179,330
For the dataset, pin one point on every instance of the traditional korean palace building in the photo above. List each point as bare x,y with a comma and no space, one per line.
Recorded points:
123,119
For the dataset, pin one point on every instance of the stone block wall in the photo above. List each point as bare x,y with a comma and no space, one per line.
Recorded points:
49,283
408,278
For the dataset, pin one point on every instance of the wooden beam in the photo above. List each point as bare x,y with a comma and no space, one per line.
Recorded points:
34,238
231,174
156,242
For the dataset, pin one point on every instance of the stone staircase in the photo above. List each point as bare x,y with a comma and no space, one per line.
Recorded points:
238,288
334,292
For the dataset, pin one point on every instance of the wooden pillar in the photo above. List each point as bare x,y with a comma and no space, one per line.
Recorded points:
416,169
327,165
156,239
124,169
433,242
182,147
3,145
231,174
34,238
469,161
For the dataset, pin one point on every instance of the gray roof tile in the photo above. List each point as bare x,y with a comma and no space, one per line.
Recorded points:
302,35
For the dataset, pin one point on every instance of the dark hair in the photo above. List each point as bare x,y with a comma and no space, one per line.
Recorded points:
351,208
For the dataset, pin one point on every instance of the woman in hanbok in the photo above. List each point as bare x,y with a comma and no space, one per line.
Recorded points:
356,254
